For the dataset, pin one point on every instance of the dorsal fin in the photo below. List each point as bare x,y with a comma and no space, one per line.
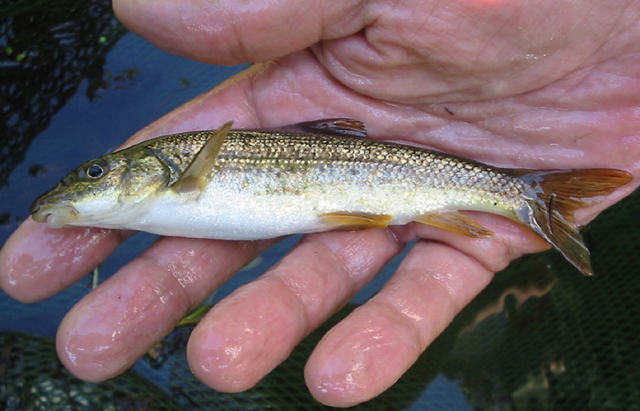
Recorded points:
193,178
331,126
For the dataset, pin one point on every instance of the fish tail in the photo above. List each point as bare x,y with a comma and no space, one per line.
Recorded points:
553,196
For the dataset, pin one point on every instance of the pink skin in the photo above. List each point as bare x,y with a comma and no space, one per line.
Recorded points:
534,84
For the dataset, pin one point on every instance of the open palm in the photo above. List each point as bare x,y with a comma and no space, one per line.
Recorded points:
532,84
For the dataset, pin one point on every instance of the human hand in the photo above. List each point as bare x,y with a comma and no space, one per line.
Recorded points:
506,83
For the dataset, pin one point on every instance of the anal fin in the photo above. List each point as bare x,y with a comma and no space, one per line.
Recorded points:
355,221
456,222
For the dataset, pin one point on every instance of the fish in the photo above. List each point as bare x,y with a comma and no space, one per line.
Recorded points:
321,175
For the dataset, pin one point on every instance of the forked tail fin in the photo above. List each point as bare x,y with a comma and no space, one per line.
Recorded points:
554,195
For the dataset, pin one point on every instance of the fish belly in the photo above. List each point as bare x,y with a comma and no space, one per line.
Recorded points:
234,218
231,214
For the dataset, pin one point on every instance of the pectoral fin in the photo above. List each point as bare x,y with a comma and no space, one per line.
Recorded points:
194,176
455,222
333,126
355,221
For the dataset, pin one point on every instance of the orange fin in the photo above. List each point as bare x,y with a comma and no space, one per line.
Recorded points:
193,178
355,221
455,222
554,195
332,126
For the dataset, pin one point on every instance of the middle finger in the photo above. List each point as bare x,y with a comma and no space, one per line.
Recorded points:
110,328
247,334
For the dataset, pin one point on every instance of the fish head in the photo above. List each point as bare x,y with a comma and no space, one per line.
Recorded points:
105,192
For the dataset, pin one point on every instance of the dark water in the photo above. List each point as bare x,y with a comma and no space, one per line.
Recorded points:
74,85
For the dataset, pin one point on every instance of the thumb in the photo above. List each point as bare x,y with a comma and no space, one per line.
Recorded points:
232,32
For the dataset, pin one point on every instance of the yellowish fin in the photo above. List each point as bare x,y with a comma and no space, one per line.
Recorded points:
194,176
553,196
355,221
456,222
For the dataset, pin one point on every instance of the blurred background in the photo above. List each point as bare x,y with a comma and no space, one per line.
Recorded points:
74,84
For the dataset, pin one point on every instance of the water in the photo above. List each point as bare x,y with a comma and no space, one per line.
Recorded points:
539,337
140,83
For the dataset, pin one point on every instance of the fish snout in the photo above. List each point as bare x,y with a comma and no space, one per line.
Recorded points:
36,211
56,215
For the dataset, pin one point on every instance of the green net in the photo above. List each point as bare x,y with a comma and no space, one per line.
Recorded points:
32,378
540,337
46,50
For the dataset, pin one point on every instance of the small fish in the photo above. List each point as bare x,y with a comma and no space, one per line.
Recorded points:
311,177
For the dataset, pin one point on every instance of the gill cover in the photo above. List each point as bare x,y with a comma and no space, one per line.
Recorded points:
103,191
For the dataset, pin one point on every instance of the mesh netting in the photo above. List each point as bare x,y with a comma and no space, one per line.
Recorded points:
552,339
46,50
540,337
284,388
32,378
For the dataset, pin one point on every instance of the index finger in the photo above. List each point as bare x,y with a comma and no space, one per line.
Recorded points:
38,261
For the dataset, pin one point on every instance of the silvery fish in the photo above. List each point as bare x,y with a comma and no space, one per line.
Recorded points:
311,177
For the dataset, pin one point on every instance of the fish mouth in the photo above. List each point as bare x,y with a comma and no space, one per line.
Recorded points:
56,215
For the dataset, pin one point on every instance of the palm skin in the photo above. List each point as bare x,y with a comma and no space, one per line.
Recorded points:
535,84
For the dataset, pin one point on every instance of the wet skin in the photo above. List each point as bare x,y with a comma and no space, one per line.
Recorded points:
499,82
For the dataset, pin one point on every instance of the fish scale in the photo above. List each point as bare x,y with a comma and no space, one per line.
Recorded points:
310,177
260,152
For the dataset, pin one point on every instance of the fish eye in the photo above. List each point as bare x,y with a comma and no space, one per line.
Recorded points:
96,170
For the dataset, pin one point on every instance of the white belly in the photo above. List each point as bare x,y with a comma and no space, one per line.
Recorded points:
232,211
229,215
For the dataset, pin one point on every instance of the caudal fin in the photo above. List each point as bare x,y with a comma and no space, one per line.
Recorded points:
554,195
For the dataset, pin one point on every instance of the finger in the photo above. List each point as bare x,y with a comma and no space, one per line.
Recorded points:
247,334
368,351
37,261
228,32
115,324
509,241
